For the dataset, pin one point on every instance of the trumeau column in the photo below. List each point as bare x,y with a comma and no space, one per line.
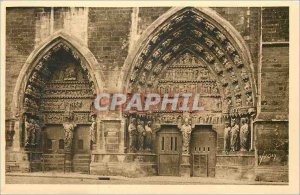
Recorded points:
69,128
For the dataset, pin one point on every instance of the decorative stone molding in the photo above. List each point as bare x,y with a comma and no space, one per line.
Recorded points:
213,43
34,72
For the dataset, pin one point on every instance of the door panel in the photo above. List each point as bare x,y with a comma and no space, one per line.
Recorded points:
203,148
200,168
168,148
168,164
81,141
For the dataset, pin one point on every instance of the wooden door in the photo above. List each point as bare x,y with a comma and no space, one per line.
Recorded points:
203,149
169,147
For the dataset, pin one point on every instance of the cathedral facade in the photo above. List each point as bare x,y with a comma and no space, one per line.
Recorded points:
59,59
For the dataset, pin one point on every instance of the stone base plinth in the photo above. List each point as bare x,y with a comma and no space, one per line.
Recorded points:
17,161
185,166
272,173
128,165
237,166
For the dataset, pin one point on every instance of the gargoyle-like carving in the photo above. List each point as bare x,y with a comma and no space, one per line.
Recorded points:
146,50
148,65
229,48
228,66
208,57
197,33
176,48
157,54
157,69
134,75
238,101
221,37
209,27
139,62
198,19
208,42
155,39
237,61
167,57
143,78
249,100
178,19
166,28
178,33
244,75
198,48
219,52
166,43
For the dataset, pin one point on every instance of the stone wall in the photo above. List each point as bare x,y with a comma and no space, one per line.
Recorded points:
271,126
20,36
108,38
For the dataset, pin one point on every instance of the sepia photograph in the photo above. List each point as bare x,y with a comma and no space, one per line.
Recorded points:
148,95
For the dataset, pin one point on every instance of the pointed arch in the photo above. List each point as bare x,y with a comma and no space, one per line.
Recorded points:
44,50
206,33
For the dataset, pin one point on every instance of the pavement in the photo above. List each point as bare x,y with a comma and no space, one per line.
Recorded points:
78,178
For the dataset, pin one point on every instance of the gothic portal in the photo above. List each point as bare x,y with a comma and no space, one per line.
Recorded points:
58,118
190,53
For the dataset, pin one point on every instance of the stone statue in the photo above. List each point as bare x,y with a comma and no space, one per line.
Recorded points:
148,66
186,130
30,132
249,99
148,138
132,135
30,103
227,132
70,73
37,133
221,37
234,135
33,133
141,135
244,74
238,101
143,78
30,90
69,128
93,130
244,135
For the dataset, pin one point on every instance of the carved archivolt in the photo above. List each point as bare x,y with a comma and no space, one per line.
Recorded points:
194,32
60,86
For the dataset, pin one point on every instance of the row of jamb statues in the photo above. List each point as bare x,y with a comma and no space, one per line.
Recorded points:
236,138
140,135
